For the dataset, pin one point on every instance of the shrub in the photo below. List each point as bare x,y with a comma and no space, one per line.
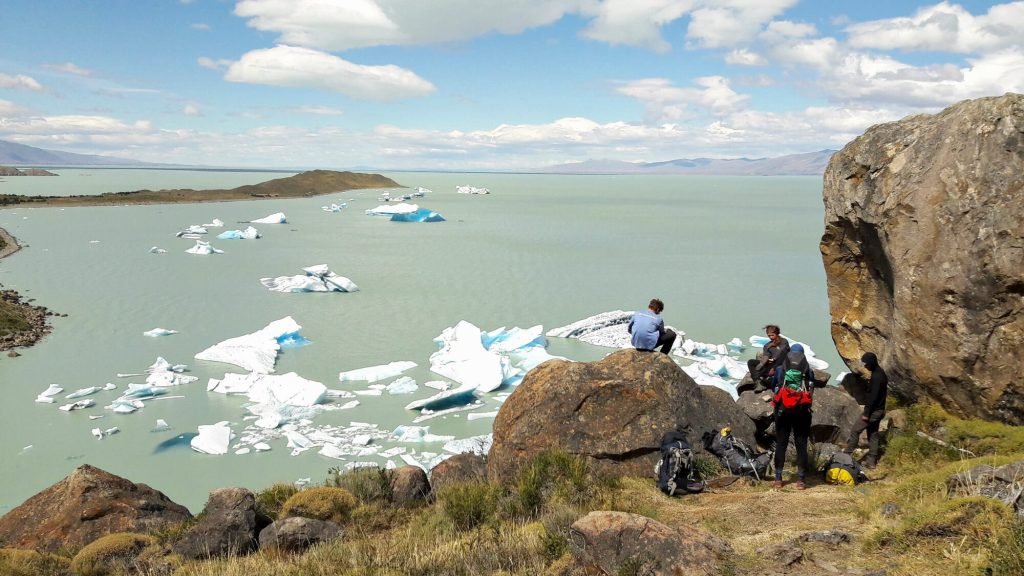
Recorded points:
470,504
1007,556
31,563
269,501
556,475
322,503
377,517
909,449
706,465
111,554
366,484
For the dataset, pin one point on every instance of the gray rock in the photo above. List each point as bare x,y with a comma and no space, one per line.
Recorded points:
923,244
408,485
833,537
835,415
228,527
461,468
1005,483
296,534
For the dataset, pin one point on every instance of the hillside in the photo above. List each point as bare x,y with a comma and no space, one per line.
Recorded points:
811,164
13,154
311,183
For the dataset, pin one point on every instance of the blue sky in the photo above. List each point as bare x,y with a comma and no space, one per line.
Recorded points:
486,84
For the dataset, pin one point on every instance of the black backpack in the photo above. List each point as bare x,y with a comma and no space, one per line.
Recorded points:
738,458
675,470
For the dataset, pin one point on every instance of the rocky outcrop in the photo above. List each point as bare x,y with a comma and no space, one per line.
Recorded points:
617,542
12,171
409,485
835,415
1005,483
21,323
923,245
459,469
228,526
86,505
613,412
296,534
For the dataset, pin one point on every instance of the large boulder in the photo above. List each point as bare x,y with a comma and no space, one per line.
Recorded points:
835,415
613,412
86,505
228,526
459,469
409,485
923,245
296,534
615,542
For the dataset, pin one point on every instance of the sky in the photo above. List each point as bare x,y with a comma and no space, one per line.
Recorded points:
486,84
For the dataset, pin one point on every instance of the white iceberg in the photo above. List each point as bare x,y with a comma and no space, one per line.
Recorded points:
405,433
420,191
463,358
465,394
161,426
249,233
155,332
213,439
163,374
285,389
403,385
87,403
477,445
203,249
83,392
375,373
101,434
255,352
704,379
481,415
275,218
471,190
192,230
46,396
334,207
215,223
392,209
317,278
157,250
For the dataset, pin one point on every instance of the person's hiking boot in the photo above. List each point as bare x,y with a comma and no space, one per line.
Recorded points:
800,485
869,463
777,484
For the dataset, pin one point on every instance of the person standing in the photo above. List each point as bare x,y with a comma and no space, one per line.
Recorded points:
763,372
648,329
874,410
792,401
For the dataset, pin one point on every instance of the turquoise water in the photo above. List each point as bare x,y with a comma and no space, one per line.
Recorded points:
726,254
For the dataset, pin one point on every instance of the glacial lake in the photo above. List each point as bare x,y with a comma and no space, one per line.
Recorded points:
726,254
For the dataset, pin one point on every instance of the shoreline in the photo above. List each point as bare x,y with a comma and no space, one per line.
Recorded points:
10,244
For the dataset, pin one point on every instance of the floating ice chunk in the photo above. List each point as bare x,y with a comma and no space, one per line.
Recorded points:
110,386
51,391
463,358
403,385
704,379
332,393
694,348
471,190
88,402
332,451
391,452
430,414
203,248
215,223
95,416
375,373
275,218
242,451
349,405
45,399
124,406
192,230
286,389
477,445
735,345
391,209
371,392
420,215
316,279
420,191
94,241
437,385
481,415
213,439
405,433
298,441
189,236
607,329
255,352
334,207
163,374
161,426
408,459
159,332
157,250
261,446
460,396
249,233
101,434
83,392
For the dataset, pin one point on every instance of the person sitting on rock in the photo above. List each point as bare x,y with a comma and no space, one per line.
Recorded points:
874,410
763,371
648,329
792,399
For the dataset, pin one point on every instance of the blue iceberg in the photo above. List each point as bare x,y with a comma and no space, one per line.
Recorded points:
420,215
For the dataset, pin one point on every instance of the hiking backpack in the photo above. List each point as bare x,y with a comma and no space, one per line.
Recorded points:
738,458
675,470
793,393
843,469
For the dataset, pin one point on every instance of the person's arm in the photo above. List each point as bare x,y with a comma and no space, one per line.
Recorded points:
629,327
661,326
874,389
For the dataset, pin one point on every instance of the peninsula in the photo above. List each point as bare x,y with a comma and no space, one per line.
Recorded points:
12,171
306,184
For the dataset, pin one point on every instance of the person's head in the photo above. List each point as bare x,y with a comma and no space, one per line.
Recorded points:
656,305
772,331
797,348
869,360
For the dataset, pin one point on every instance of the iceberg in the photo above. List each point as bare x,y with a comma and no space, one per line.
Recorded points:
163,373
46,396
488,360
465,394
403,385
420,192
607,329
83,392
391,209
213,439
203,248
192,230
255,352
279,390
420,215
375,373
249,233
317,278
704,379
101,434
215,223
405,433
334,207
275,218
159,332
471,190
87,403
476,444
481,415
161,426
157,250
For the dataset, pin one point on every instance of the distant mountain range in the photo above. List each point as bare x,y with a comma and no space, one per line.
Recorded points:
811,163
12,154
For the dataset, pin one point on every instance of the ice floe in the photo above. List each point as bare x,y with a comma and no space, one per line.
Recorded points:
275,218
487,360
465,394
101,434
83,392
249,233
159,332
161,426
157,250
420,192
192,231
213,439
471,190
317,278
255,352
375,373
215,223
46,396
404,433
420,215
403,385
203,249
87,403
163,374
475,444
391,209
334,207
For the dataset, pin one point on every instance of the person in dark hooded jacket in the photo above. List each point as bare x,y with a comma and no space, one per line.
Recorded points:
795,421
874,410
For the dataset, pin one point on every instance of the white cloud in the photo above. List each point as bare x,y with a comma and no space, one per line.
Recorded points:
820,53
635,22
9,109
664,102
212,64
726,23
318,110
782,29
744,57
192,109
19,82
944,27
306,68
200,26
70,68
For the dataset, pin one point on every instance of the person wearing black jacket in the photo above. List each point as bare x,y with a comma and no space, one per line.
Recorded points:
874,410
764,373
